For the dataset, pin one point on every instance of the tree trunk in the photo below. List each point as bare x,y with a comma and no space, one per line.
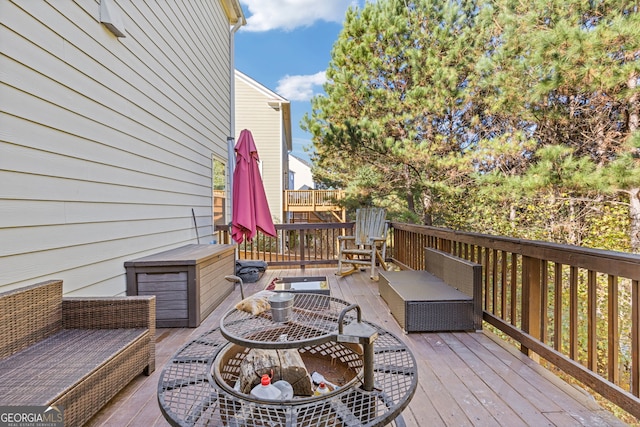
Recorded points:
280,364
410,204
634,215
427,203
573,223
634,193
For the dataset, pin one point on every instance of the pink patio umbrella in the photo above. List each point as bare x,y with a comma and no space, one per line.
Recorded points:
250,208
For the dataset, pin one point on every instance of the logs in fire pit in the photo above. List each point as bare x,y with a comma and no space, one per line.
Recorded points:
284,365
243,367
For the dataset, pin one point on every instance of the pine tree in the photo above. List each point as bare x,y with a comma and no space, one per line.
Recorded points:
569,70
397,104
479,114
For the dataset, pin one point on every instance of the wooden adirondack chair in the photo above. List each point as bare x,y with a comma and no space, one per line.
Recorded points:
367,245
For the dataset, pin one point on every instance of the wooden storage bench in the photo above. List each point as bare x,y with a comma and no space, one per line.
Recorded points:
74,353
188,282
445,297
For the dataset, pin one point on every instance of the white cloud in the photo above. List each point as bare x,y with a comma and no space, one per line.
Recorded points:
300,88
265,15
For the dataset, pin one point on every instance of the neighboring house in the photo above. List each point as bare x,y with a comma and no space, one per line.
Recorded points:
301,171
107,142
268,116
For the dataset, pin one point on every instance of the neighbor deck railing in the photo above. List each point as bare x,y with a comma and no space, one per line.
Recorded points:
312,200
576,308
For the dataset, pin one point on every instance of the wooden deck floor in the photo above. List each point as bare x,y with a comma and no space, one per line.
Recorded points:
465,379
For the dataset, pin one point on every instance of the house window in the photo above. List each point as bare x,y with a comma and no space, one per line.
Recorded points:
219,192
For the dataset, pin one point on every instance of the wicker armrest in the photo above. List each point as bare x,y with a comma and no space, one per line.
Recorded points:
346,237
113,313
109,312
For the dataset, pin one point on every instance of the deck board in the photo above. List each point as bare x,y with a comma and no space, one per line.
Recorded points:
480,403
465,379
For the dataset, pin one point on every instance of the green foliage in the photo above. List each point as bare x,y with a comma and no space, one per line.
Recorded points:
397,101
518,118
608,228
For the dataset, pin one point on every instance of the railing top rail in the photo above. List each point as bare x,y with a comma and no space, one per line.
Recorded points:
302,226
326,193
610,262
314,225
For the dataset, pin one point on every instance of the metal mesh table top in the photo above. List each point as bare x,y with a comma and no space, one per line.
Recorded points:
189,395
314,320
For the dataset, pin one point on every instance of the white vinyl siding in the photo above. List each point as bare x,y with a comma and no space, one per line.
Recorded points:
106,143
253,112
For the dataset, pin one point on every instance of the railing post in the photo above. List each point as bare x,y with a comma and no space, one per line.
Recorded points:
635,338
592,318
302,245
613,329
531,298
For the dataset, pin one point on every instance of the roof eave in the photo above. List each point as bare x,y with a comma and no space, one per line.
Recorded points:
233,10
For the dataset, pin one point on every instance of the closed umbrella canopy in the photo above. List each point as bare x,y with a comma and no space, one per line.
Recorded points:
250,208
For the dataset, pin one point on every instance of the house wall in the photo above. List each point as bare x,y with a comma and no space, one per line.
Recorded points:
302,173
106,143
253,112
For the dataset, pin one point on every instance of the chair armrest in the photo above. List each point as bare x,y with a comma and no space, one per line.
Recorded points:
346,237
109,312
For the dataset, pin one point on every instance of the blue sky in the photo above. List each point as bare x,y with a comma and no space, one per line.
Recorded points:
286,46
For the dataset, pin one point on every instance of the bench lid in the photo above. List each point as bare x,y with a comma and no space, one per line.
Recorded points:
422,286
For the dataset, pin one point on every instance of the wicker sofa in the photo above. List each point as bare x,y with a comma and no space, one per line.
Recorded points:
76,353
446,296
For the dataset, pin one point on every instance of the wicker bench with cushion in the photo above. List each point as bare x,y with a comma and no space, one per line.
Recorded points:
76,353
447,296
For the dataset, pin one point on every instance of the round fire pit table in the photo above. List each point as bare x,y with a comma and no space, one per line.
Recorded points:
192,390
